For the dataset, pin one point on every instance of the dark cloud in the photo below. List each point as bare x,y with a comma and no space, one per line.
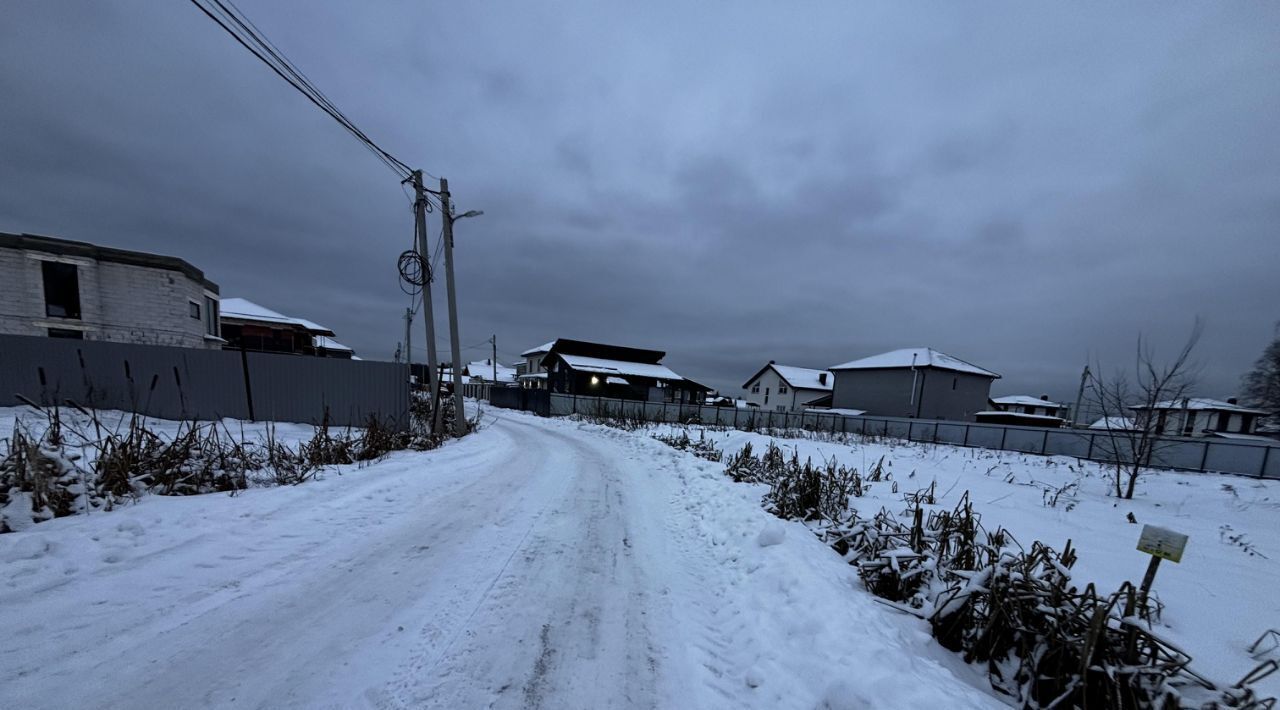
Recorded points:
1028,187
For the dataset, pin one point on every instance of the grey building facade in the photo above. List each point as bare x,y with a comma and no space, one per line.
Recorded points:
67,289
915,382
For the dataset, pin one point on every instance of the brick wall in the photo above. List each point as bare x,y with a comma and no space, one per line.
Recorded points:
118,302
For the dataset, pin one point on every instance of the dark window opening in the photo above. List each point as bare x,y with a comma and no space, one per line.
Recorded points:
211,316
66,333
1189,426
61,289
193,309
1223,420
954,381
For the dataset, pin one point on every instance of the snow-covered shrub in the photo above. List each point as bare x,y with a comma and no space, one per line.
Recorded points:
700,447
1045,641
68,469
39,480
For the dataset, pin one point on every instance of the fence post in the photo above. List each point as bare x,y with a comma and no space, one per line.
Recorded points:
966,435
1266,454
735,415
248,390
1044,445
1004,434
1204,458
1089,454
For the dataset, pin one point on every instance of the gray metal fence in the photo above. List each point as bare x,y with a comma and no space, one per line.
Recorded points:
1190,454
188,383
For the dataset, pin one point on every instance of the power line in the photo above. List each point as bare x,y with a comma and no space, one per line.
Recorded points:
252,39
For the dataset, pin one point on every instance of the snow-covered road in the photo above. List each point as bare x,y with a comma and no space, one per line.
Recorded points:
538,563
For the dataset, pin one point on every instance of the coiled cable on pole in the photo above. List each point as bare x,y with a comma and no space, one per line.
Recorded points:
414,271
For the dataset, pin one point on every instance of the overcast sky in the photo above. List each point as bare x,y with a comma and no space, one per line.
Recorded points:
1024,186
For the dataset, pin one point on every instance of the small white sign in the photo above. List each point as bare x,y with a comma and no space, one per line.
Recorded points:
1162,542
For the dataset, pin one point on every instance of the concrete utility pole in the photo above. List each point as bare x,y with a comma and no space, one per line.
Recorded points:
494,342
408,336
428,315
455,346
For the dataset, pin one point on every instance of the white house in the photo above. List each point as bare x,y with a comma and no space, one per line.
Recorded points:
1197,416
483,371
785,388
530,373
1024,404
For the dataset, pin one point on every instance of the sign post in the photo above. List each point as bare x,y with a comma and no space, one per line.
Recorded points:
1161,544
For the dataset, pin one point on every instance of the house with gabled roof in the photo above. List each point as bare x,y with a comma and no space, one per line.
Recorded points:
786,388
920,383
1198,416
250,326
598,369
529,371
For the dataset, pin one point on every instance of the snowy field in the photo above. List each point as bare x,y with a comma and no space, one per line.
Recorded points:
537,563
1218,600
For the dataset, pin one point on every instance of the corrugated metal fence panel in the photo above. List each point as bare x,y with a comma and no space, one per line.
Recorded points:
189,383
166,382
298,389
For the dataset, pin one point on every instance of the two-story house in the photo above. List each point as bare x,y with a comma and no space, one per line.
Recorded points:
67,289
786,388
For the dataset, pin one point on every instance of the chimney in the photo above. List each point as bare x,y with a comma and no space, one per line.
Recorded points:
1044,398
822,379
1231,400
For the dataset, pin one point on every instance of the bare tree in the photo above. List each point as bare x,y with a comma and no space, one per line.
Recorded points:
1131,409
1261,387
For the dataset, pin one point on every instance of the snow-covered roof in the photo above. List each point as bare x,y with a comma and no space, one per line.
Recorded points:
324,341
845,412
1114,424
544,348
244,309
804,378
1200,403
534,376
615,381
1245,437
1017,415
483,369
620,367
1026,401
915,357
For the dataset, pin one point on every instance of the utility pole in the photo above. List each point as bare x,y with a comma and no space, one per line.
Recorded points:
455,346
494,342
408,337
1075,415
428,315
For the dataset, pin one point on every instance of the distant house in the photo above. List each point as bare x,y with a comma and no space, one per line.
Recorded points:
912,382
786,388
482,371
596,369
1023,410
530,372
1114,424
249,326
1024,404
66,289
1195,416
